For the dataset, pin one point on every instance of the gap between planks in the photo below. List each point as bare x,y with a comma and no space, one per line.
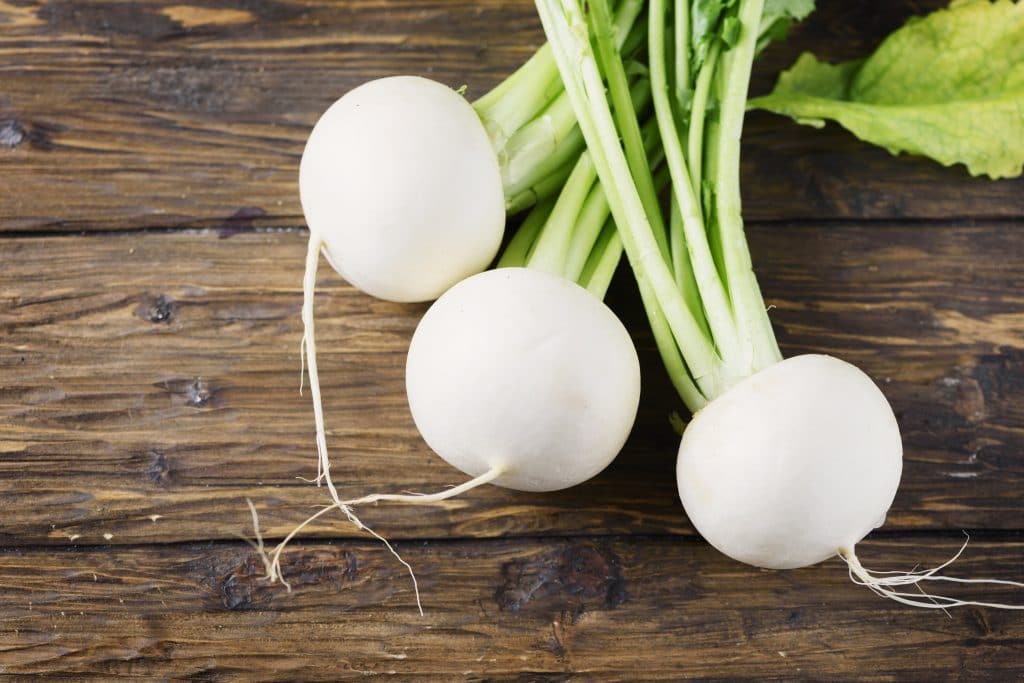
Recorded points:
292,225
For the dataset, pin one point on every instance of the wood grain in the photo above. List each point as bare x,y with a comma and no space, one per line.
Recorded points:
150,266
157,374
643,609
118,115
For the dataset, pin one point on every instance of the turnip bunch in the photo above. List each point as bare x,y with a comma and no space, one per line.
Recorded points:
405,187
785,463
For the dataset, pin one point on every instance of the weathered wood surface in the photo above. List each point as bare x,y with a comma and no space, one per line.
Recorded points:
119,114
149,381
158,374
614,609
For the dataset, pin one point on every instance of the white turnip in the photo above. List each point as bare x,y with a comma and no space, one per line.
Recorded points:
792,465
524,373
516,377
400,185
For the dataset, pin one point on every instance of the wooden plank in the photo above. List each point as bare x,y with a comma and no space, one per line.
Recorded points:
118,115
614,609
157,374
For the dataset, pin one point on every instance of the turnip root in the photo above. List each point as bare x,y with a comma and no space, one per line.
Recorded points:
400,184
792,465
524,373
797,464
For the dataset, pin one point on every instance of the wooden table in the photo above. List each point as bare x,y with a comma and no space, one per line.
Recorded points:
151,248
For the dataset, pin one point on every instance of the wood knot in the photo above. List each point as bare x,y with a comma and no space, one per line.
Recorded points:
574,577
159,468
158,309
246,586
12,133
199,393
195,393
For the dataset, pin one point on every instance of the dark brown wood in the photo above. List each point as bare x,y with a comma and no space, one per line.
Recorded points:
149,381
608,609
119,115
158,375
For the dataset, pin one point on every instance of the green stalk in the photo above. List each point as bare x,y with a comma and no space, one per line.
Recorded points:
568,34
594,216
685,280
516,100
597,274
598,234
518,250
523,191
588,236
681,43
697,113
550,250
542,189
626,121
531,122
677,243
540,147
684,102
564,243
734,80
717,308
712,132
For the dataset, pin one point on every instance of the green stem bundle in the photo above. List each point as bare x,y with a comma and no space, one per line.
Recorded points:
531,121
694,275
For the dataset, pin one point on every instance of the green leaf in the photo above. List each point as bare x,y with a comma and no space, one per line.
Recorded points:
731,31
778,16
794,9
949,86
712,21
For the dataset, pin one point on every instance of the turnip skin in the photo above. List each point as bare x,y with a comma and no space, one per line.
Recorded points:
400,184
519,370
792,465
